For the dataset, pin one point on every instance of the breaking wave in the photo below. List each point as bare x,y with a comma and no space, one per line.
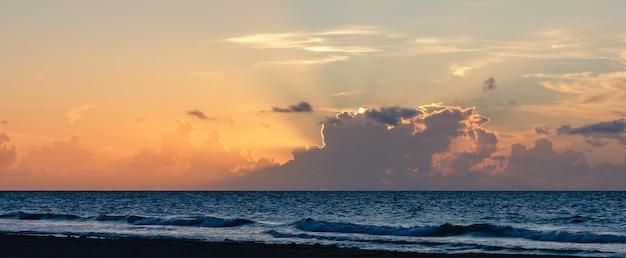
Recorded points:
432,242
485,230
38,216
133,219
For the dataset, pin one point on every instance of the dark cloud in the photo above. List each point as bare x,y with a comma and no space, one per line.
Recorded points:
540,130
595,132
611,127
392,115
543,159
564,129
4,122
7,154
437,148
361,151
300,107
543,167
598,143
490,84
198,114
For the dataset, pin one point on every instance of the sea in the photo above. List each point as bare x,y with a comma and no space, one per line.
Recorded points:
555,223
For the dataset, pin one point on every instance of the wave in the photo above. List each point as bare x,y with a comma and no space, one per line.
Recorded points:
133,219
277,234
199,222
38,216
444,230
457,246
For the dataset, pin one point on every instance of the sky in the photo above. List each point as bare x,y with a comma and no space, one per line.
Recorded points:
312,95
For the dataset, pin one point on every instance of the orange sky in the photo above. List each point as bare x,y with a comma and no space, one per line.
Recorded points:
207,95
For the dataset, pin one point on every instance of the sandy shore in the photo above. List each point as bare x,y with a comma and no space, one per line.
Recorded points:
40,246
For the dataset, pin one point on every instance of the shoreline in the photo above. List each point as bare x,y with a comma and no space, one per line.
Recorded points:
27,246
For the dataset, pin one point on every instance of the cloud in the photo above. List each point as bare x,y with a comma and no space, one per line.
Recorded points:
276,40
303,62
7,154
540,130
76,112
564,129
327,46
4,122
185,161
346,93
437,50
587,95
597,143
361,151
354,30
300,107
181,161
306,41
363,40
463,69
429,147
611,127
347,49
198,114
434,46
545,46
543,167
490,84
62,155
392,115
579,75
595,132
543,159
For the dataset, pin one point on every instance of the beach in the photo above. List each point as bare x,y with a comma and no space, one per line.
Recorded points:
50,246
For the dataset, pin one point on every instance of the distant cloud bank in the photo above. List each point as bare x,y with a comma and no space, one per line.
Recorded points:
430,147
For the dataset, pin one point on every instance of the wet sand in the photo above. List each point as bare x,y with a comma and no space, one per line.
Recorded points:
47,246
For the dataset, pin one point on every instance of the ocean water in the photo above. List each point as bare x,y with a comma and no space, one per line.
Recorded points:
561,223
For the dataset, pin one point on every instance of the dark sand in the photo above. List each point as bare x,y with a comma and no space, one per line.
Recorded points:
43,246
